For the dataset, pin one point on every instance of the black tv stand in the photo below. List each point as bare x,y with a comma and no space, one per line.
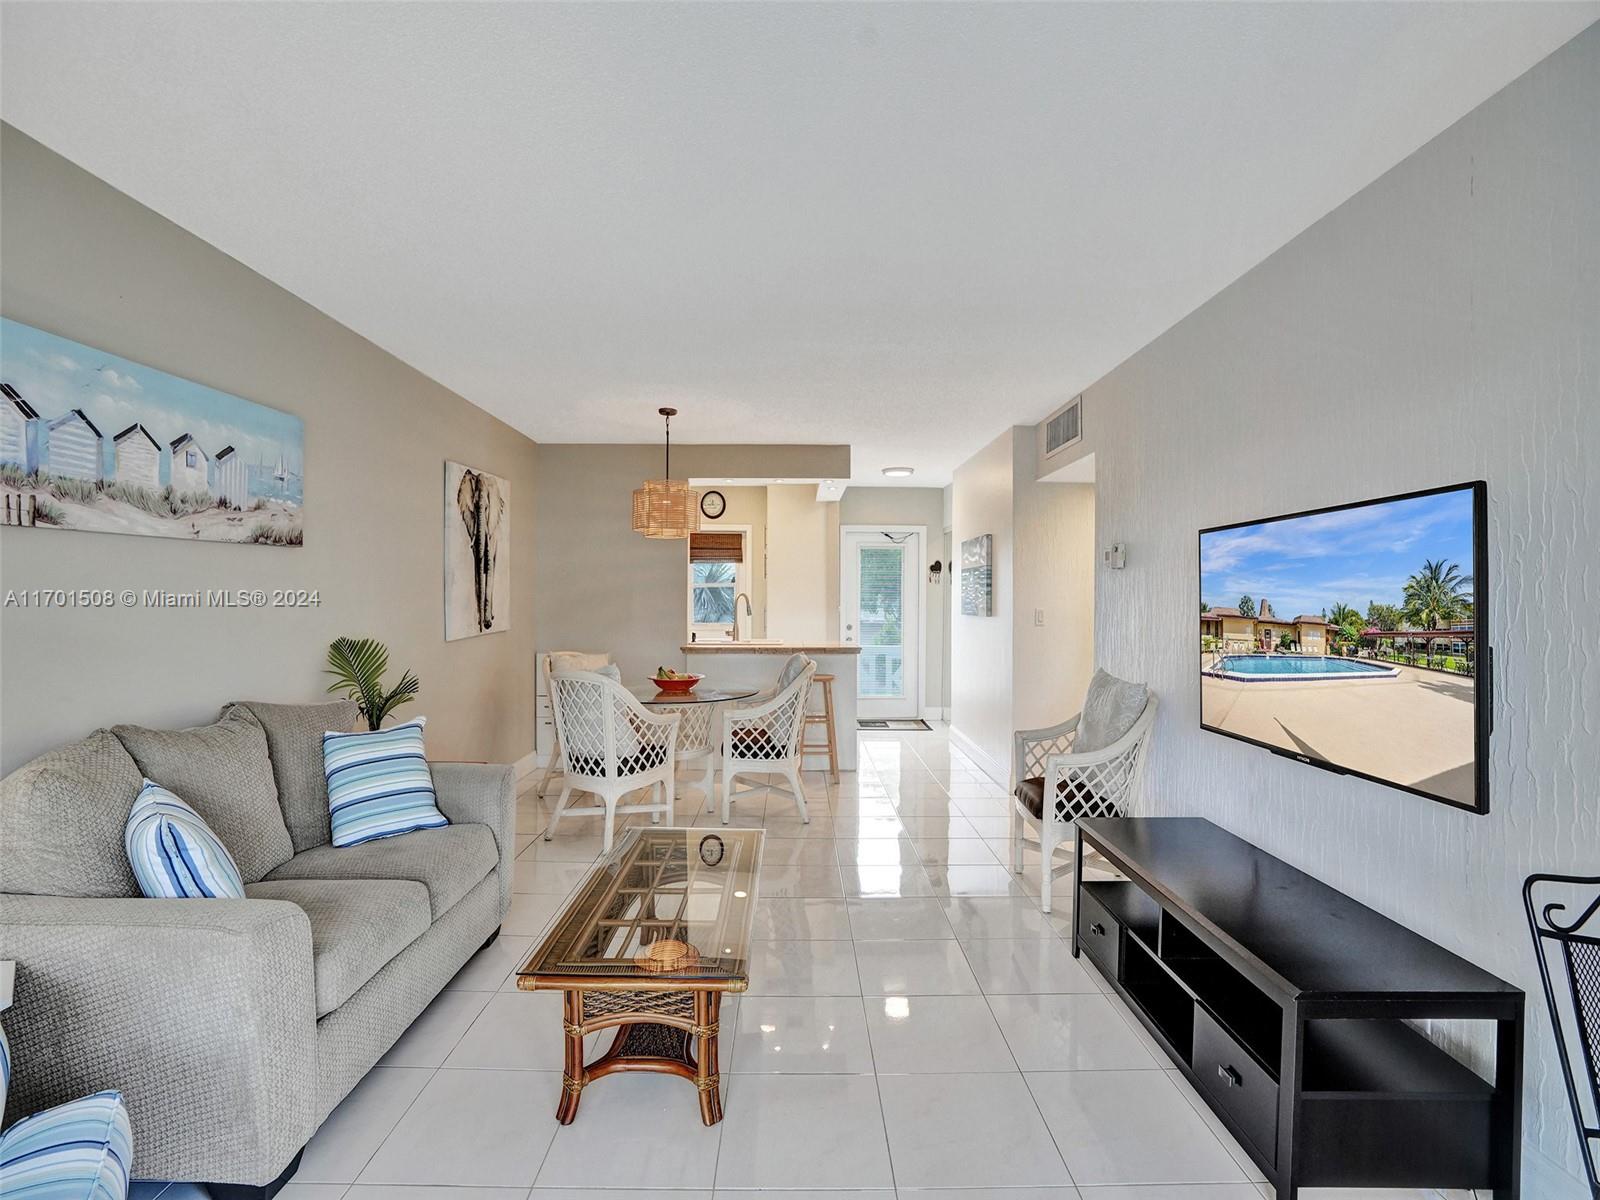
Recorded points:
1286,1004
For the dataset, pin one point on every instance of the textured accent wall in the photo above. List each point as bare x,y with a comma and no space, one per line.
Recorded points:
1442,325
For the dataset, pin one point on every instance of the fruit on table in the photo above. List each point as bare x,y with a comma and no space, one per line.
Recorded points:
669,673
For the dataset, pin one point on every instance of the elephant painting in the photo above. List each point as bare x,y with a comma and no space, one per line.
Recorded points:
477,544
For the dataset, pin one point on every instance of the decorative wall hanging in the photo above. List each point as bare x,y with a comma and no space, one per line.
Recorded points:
477,552
977,576
95,442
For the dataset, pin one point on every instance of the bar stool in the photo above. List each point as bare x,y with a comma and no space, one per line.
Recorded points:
829,746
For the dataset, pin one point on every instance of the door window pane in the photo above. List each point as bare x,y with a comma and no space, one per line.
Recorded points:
881,667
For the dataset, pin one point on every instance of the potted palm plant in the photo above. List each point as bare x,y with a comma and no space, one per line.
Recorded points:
358,666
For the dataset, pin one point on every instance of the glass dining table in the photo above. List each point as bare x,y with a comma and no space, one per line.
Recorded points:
699,735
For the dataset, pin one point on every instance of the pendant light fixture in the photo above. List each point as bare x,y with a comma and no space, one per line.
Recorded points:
667,507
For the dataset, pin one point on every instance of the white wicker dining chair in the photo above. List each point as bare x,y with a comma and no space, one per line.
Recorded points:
611,745
549,664
1093,783
764,739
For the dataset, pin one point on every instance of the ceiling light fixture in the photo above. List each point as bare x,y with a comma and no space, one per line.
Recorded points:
667,507
899,472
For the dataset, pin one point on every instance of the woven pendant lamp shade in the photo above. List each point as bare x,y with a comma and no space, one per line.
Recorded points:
666,508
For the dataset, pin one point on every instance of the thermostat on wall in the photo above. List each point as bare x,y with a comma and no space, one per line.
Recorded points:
1116,557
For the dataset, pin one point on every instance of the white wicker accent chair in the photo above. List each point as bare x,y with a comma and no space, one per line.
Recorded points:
1093,783
697,744
764,738
611,745
549,664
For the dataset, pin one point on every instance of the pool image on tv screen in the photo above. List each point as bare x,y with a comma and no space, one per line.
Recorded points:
1350,638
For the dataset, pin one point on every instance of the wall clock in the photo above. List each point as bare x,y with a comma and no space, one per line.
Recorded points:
713,504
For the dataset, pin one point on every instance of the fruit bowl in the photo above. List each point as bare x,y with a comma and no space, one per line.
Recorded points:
679,683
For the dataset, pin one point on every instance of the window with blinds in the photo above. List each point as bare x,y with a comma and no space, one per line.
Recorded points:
716,547
716,576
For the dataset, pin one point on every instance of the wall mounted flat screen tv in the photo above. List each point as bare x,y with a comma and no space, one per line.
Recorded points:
1352,638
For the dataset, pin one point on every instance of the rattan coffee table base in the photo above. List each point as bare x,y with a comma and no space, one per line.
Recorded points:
671,1033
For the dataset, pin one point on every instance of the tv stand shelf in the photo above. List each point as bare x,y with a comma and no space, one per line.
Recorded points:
1286,1004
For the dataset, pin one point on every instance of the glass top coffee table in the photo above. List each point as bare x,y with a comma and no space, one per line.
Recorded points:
648,944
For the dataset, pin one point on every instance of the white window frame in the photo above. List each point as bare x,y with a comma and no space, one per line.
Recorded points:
741,583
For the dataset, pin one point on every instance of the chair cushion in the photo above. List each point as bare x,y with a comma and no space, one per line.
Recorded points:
175,855
224,773
1031,793
357,926
577,660
1110,708
61,821
82,1149
646,759
449,862
792,668
379,784
294,741
755,743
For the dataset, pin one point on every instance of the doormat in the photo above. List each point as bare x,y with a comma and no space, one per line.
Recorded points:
896,725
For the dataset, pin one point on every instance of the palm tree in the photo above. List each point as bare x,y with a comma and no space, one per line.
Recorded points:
1437,595
1346,622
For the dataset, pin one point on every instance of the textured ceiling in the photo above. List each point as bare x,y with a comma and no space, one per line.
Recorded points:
902,227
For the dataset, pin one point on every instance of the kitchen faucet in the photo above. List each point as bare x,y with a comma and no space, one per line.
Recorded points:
733,634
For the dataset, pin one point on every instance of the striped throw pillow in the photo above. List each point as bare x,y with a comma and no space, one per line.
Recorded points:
83,1148
379,784
5,1070
173,852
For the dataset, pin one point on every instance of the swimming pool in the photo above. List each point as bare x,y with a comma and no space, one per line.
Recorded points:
1251,668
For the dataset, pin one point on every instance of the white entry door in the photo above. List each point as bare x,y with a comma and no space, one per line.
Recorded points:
880,610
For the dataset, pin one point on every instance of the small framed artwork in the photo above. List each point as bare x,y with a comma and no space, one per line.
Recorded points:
977,576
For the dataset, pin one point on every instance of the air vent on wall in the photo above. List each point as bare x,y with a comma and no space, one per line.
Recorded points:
1064,428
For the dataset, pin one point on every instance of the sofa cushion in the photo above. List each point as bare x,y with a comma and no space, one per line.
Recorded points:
61,821
294,739
379,785
448,861
357,926
81,1148
223,772
174,853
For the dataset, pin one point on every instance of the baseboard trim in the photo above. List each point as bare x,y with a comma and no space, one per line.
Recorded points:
528,764
995,770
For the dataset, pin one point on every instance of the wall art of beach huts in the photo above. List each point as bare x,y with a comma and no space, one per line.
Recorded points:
92,441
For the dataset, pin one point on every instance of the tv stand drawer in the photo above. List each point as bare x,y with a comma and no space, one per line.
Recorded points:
1099,933
1237,1083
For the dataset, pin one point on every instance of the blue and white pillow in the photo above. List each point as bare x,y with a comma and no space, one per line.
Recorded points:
379,784
173,852
80,1149
5,1071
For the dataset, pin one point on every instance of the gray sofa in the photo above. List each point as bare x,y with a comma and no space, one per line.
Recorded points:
232,1027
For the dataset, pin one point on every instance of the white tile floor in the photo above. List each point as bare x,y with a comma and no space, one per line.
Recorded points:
913,1022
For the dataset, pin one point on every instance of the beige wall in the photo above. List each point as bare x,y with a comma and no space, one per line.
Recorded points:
802,564
913,506
980,647
603,587
1053,571
86,262
1007,672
